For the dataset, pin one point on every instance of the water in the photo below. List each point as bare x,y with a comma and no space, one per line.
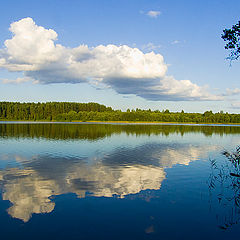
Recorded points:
87,181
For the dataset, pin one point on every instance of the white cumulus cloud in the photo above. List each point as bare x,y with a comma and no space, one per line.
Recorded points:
153,14
33,51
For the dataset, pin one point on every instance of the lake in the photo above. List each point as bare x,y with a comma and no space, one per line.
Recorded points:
110,181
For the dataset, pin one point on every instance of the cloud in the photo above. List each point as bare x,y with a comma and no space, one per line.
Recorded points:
175,42
235,105
153,14
232,92
33,51
18,80
150,47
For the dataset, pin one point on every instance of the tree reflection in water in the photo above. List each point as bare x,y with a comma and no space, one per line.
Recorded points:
224,189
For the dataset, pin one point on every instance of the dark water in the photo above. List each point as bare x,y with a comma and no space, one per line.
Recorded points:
80,181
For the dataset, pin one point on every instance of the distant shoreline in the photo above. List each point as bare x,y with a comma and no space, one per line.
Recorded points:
117,123
97,113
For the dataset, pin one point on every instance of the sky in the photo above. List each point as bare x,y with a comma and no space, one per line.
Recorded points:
158,54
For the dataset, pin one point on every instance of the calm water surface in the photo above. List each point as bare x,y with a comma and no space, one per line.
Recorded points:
80,181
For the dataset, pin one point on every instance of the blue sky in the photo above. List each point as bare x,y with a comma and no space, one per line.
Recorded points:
113,65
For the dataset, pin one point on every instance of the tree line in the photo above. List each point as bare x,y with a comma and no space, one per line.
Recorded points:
70,111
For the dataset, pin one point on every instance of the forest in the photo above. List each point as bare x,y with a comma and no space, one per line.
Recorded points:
84,112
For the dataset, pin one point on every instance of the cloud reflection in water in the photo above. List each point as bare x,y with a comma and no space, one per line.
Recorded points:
119,173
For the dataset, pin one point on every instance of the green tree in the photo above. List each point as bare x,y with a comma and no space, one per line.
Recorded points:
232,37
